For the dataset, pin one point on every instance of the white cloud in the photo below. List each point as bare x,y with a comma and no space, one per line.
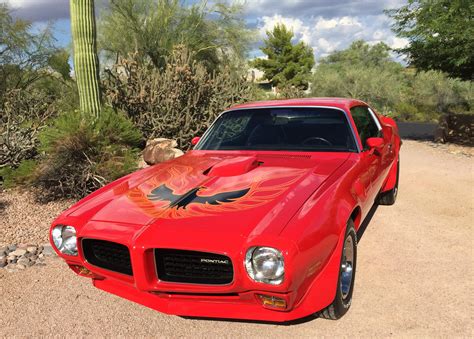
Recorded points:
325,25
296,25
324,8
398,42
325,35
39,10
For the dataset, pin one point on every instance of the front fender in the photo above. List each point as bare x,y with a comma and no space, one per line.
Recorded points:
322,289
318,231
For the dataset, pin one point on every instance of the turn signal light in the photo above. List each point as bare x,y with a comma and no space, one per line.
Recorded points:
272,302
82,271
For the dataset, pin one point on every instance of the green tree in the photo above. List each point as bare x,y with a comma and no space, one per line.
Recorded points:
86,64
150,29
24,56
361,53
363,72
441,35
34,85
287,64
368,73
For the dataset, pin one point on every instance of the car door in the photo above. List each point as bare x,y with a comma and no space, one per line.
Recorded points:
387,153
370,168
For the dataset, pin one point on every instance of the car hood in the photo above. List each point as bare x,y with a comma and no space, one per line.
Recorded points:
238,194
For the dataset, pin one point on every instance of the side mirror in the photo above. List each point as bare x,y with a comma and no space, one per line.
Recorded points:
195,140
375,143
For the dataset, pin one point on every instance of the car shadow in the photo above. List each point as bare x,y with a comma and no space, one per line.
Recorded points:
365,223
246,321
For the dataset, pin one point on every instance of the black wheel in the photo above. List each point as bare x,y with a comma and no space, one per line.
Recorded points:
345,282
389,198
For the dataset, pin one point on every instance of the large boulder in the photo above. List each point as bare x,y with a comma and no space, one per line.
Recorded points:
159,150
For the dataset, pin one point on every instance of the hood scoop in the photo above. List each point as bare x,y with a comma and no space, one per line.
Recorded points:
233,166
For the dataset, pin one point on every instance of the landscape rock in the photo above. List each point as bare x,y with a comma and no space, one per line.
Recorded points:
11,268
32,249
23,261
159,150
48,250
19,252
22,256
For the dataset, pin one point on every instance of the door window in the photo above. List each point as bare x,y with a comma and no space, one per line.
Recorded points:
365,123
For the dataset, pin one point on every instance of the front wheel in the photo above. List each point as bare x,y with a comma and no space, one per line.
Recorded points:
345,283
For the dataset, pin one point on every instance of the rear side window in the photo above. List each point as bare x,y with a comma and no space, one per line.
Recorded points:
365,124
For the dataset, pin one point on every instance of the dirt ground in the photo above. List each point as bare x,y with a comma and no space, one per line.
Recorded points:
414,275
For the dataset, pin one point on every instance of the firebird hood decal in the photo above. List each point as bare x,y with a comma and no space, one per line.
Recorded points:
254,197
163,193
179,192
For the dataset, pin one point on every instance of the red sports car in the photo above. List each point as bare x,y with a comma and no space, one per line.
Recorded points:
259,221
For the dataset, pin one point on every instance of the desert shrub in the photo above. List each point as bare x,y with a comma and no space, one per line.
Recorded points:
82,155
378,86
22,175
178,102
22,116
290,92
367,72
405,111
433,91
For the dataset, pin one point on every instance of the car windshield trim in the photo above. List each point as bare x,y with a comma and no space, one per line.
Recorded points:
355,148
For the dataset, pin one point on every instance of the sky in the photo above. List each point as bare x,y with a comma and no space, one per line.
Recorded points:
325,25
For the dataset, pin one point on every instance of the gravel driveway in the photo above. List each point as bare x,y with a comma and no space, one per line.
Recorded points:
414,278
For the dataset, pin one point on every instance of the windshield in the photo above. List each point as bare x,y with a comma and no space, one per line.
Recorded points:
281,128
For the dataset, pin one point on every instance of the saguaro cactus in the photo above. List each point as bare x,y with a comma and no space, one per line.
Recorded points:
86,63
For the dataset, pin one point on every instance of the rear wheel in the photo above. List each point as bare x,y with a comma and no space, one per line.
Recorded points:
389,198
345,283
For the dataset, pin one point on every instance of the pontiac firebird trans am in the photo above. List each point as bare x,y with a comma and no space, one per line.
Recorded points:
259,221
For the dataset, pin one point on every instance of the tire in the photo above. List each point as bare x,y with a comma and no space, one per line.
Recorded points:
343,300
388,198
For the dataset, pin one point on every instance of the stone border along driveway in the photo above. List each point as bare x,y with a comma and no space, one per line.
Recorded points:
19,257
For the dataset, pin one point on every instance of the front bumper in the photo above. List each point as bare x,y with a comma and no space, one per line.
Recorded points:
303,294
244,305
232,306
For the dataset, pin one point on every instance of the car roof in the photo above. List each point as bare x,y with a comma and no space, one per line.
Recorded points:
343,103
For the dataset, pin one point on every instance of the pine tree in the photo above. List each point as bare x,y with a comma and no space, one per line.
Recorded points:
287,64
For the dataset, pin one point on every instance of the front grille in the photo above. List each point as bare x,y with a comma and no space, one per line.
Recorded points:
193,267
109,255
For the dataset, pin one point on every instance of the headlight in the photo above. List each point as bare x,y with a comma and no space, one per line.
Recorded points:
265,264
64,238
